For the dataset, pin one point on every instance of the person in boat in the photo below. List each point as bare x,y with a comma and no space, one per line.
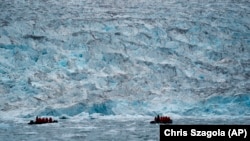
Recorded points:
50,120
158,118
31,122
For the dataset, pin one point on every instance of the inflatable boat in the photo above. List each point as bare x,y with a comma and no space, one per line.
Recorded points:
43,120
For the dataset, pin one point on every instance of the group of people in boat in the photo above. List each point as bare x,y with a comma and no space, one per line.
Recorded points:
40,120
162,119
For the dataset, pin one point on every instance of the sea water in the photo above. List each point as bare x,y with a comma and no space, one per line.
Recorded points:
104,129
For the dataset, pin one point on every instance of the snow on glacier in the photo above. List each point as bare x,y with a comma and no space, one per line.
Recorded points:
120,57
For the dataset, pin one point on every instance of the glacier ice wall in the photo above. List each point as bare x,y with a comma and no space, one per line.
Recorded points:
125,57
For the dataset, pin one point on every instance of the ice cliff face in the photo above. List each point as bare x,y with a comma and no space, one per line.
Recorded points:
125,57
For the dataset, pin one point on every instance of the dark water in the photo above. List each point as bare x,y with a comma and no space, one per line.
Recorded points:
98,129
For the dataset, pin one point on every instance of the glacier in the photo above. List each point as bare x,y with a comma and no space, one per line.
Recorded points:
132,58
